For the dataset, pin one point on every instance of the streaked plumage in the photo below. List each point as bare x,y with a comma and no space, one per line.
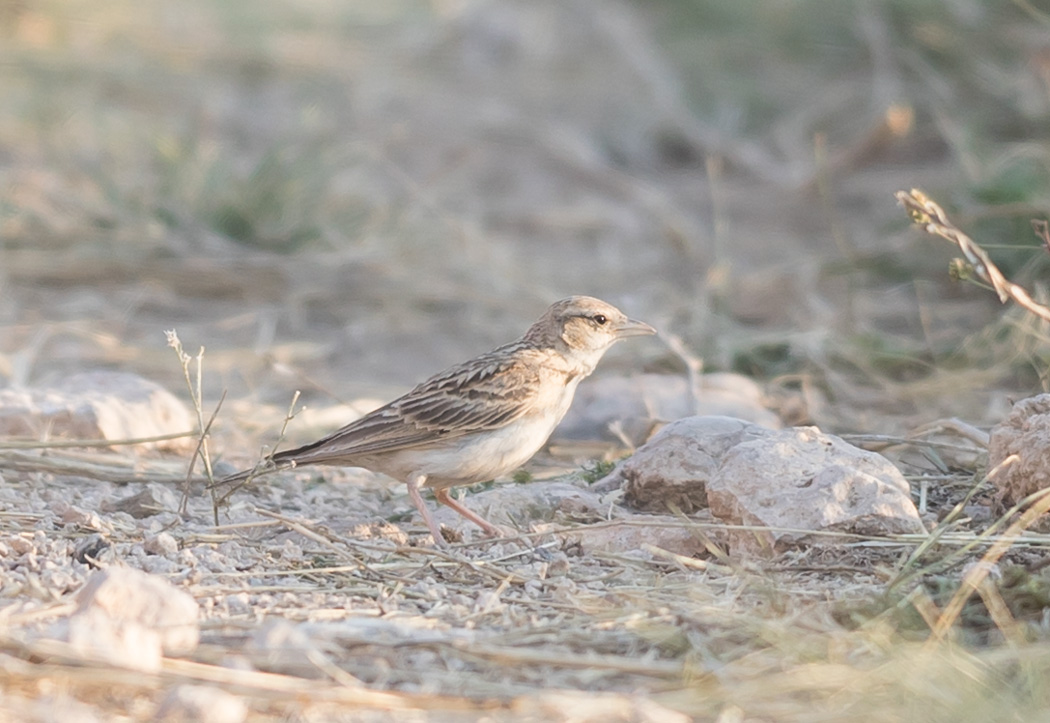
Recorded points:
480,419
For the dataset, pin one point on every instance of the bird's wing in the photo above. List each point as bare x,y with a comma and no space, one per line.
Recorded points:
486,393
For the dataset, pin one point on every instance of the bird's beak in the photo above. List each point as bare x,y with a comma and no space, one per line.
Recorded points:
630,327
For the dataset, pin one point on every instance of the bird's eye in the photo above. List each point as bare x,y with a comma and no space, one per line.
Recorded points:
599,319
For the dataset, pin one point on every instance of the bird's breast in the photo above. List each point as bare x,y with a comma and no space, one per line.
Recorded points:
484,456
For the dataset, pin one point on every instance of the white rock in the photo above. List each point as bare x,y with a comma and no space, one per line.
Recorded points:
96,635
640,403
156,565
799,480
21,545
674,467
201,704
152,500
281,646
131,619
796,480
163,543
96,405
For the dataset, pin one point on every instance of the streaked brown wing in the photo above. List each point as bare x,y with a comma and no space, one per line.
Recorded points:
485,393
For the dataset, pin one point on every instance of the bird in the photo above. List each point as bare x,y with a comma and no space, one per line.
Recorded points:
477,420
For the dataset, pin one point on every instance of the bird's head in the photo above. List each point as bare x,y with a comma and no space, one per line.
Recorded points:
584,326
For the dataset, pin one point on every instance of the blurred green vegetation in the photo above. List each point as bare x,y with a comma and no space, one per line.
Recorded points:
976,74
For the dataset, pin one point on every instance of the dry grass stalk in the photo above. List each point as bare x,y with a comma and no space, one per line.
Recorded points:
16,443
1000,613
1038,505
694,365
926,213
957,427
195,388
66,663
941,535
303,529
106,467
883,442
264,464
685,562
479,567
622,664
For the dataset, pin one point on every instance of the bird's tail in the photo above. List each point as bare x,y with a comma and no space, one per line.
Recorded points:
232,483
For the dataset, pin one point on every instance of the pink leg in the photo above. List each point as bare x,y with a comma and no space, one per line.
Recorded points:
414,485
442,496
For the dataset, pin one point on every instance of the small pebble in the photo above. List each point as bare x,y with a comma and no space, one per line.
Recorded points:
161,544
201,704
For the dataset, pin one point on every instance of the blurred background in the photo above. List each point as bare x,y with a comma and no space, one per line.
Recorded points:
343,196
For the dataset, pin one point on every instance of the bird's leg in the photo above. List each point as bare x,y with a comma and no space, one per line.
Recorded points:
415,483
442,496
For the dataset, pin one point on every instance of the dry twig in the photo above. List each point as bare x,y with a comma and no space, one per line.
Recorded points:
195,388
926,213
1038,505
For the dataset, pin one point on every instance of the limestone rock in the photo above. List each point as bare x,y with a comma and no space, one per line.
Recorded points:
151,500
1026,433
643,402
799,480
674,467
96,405
792,481
163,543
281,646
132,619
201,704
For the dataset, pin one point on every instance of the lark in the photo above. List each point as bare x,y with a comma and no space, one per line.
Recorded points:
478,420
